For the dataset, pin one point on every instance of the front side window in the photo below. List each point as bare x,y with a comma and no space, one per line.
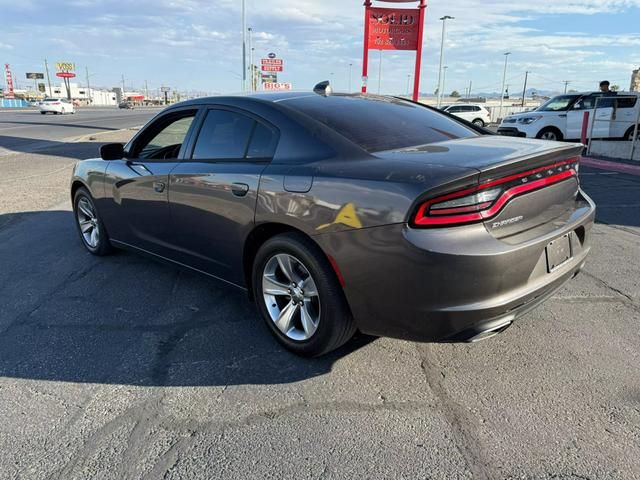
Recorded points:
165,137
227,135
558,104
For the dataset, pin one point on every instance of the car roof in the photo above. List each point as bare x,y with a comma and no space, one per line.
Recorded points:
274,97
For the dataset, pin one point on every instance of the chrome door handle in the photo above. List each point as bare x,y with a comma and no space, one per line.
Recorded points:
158,186
239,189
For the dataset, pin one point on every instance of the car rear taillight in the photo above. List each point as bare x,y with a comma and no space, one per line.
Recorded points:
476,204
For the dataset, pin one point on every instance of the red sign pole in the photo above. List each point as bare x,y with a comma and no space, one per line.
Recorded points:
416,76
365,56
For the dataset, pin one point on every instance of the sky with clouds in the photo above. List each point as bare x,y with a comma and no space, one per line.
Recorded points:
196,45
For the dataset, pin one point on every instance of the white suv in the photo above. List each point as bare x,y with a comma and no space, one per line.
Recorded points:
56,106
561,117
471,113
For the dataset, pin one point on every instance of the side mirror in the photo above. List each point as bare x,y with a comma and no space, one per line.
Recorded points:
112,151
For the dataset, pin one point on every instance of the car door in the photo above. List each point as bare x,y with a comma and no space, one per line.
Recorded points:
624,115
602,117
137,185
213,192
467,112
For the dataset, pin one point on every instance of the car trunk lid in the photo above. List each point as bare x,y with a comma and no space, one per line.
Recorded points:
528,182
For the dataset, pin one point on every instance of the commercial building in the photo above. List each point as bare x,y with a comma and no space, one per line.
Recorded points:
635,81
84,95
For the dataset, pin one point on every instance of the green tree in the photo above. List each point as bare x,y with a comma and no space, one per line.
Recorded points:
455,94
614,88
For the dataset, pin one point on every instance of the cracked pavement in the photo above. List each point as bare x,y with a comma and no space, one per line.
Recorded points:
122,367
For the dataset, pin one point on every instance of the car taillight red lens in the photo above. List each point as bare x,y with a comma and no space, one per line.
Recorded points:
476,204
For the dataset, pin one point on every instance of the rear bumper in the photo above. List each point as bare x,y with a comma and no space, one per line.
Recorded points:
451,284
51,109
511,132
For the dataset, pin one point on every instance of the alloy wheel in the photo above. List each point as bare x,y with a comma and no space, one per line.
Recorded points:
88,222
549,136
291,297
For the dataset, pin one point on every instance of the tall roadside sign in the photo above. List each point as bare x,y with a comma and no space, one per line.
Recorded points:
393,29
35,77
8,79
270,67
65,71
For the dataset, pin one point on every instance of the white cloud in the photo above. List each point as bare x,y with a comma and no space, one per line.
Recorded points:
196,43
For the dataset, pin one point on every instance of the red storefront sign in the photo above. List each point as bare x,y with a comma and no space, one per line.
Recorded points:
272,61
272,64
65,74
272,68
393,29
9,93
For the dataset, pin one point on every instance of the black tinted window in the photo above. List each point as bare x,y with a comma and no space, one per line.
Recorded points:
224,135
262,142
626,102
380,123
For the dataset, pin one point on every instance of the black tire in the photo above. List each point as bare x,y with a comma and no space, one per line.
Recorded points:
103,246
478,122
42,113
548,131
629,134
335,325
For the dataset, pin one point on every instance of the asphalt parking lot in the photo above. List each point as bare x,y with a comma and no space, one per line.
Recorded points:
121,367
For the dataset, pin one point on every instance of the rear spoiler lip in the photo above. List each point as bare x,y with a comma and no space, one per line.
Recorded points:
527,162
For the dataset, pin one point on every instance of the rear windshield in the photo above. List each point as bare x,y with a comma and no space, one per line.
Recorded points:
380,123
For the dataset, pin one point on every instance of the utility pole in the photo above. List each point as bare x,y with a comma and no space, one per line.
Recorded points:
440,87
350,68
244,48
408,84
86,70
469,91
46,67
524,89
566,82
250,60
146,92
504,79
123,96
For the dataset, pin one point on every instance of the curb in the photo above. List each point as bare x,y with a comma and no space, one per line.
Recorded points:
92,136
612,166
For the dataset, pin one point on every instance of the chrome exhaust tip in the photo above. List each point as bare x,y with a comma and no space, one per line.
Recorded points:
491,329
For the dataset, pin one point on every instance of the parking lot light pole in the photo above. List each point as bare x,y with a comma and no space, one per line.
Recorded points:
504,79
444,23
244,48
250,30
444,78
350,65
524,89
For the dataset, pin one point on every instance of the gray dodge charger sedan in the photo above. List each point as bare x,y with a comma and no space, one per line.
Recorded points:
344,212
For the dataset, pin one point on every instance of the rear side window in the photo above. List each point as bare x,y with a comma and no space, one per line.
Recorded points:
380,123
227,135
626,102
224,134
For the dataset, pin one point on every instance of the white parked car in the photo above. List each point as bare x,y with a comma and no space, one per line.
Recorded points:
471,113
561,118
56,106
